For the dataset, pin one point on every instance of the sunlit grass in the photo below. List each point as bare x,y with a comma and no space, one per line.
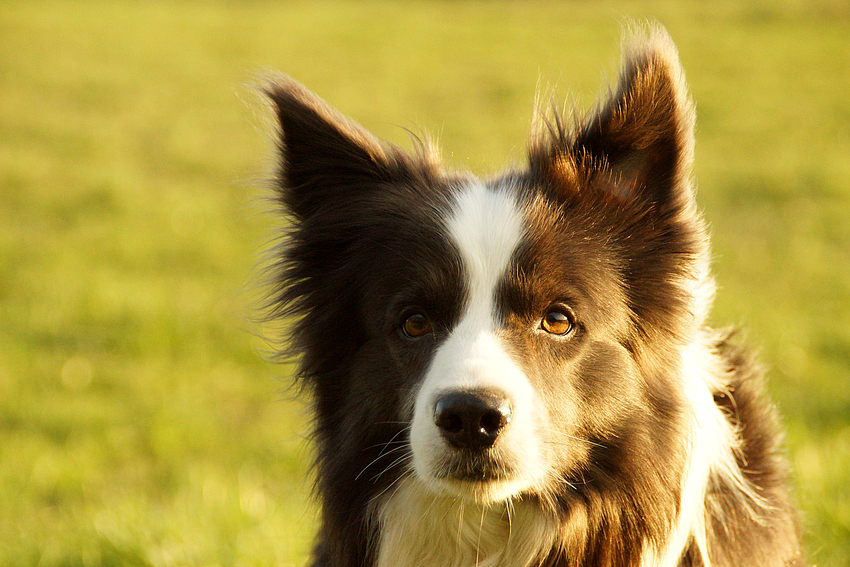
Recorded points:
138,423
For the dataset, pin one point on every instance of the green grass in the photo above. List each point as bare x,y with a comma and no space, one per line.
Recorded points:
139,425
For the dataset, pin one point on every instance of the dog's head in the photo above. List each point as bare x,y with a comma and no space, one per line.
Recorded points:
501,337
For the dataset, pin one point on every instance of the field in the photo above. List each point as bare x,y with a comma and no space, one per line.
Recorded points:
140,424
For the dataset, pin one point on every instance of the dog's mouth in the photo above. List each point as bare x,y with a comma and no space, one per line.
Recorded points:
476,477
475,468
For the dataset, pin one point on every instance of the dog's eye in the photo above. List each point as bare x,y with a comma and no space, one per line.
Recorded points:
416,325
558,320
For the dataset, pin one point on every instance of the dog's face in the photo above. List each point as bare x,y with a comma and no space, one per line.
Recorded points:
509,399
503,337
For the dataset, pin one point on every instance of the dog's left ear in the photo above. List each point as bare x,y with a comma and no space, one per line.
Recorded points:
325,158
638,145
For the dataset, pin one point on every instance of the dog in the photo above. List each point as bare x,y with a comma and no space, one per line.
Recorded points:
517,371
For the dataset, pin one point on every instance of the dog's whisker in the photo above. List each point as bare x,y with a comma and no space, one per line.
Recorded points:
395,463
572,438
392,439
395,483
382,454
385,451
484,509
405,455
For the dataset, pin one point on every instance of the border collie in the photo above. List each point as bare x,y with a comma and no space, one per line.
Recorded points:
516,370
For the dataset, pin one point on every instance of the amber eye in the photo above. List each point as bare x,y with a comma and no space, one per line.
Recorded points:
558,320
416,325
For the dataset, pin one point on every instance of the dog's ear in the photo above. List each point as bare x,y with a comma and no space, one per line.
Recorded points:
629,164
324,157
638,144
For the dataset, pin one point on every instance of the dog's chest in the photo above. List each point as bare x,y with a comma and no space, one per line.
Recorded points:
418,528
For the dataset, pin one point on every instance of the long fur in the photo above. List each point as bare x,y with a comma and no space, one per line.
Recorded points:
637,437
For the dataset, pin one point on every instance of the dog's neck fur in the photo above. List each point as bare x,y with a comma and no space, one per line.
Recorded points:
419,528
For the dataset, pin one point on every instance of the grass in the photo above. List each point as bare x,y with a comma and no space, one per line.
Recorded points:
139,425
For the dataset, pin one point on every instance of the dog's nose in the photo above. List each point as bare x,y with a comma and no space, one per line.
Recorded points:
471,419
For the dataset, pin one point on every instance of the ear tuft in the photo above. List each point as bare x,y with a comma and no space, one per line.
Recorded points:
324,156
637,146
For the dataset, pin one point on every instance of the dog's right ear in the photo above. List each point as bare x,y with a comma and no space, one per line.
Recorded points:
324,157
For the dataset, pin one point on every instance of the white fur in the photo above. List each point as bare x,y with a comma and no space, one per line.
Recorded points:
712,441
704,426
486,226
423,529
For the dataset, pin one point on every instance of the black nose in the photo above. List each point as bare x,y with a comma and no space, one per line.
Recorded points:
471,419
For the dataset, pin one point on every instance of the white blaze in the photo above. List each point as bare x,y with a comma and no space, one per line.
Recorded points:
486,226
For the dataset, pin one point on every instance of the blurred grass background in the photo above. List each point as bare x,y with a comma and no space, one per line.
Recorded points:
139,425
